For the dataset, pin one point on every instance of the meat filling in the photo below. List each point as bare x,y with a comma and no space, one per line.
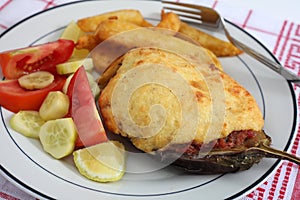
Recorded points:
237,139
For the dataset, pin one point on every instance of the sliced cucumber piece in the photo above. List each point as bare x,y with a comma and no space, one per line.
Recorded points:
36,80
93,85
71,66
66,85
58,137
28,123
55,105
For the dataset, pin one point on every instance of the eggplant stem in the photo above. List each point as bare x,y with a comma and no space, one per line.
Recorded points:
275,153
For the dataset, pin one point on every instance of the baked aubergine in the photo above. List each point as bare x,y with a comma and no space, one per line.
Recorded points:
194,117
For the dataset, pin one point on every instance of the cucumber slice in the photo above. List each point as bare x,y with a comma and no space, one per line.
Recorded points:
58,137
55,105
95,89
66,85
36,80
28,123
93,85
72,66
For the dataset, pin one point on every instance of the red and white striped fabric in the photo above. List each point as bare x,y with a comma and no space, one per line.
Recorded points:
282,37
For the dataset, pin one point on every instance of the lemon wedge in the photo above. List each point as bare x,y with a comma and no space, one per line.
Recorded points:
104,162
80,53
58,137
73,32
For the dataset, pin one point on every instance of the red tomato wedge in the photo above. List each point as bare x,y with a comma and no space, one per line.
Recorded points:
15,98
44,57
84,112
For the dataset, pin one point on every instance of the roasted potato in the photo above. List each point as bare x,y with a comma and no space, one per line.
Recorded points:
88,41
105,29
169,21
217,46
111,27
90,24
100,27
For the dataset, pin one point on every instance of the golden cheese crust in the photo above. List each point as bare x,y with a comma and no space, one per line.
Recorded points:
158,98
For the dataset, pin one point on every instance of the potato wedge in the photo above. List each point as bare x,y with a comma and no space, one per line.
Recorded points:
169,21
110,27
105,29
217,46
87,41
89,24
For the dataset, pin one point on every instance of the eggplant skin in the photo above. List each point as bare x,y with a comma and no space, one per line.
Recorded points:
217,162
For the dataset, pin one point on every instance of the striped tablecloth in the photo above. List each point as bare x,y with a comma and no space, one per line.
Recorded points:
279,35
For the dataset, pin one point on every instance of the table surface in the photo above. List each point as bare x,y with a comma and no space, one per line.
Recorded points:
288,9
270,11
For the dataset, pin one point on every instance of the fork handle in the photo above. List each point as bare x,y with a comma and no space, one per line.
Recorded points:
271,64
275,153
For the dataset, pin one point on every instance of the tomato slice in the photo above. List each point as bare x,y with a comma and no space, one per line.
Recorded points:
84,112
15,98
43,57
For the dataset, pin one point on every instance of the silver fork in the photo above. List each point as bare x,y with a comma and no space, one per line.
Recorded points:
209,17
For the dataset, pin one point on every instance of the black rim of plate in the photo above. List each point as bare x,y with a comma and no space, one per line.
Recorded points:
242,192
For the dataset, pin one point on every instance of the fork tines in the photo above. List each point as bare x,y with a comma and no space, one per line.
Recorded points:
187,12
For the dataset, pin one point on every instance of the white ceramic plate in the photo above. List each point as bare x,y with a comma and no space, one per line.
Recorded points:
25,163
